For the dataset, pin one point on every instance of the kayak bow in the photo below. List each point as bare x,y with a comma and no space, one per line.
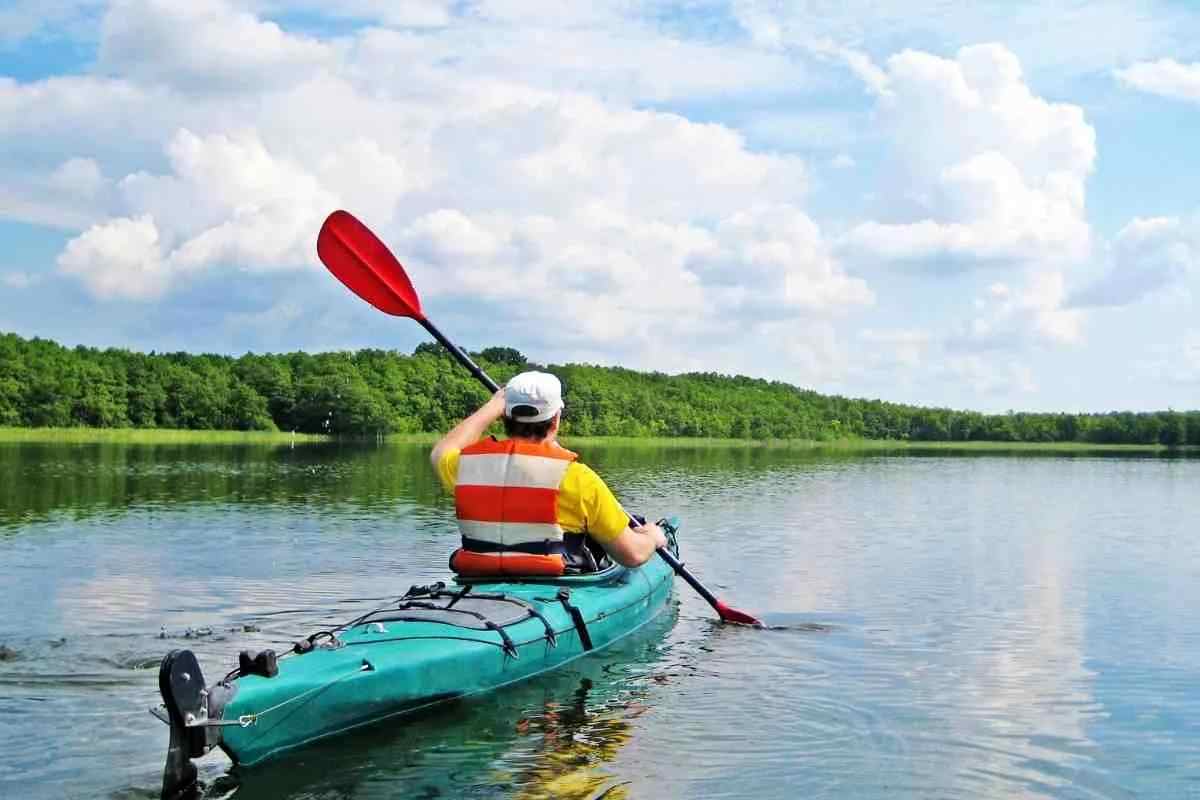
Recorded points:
433,645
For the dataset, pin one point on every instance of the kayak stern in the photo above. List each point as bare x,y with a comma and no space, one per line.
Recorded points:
193,713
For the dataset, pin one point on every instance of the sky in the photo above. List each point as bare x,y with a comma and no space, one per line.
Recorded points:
986,205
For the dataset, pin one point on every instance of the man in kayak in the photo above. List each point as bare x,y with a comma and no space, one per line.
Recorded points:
526,505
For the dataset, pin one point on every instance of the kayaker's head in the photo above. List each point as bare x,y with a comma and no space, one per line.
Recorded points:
532,406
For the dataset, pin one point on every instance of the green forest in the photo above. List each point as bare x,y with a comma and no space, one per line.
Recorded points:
374,392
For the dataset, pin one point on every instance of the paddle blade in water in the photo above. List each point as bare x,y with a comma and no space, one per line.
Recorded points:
728,614
358,259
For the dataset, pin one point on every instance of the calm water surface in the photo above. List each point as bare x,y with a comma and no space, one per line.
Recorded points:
944,626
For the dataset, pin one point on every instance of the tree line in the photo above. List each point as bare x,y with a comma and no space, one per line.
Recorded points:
371,392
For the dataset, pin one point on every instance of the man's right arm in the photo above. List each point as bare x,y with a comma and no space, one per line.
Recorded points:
635,546
470,430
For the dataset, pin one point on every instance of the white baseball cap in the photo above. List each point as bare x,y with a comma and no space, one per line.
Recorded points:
539,391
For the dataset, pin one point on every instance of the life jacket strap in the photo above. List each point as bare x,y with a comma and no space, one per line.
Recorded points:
571,543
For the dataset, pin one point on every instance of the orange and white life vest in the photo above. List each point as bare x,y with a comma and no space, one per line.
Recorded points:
506,500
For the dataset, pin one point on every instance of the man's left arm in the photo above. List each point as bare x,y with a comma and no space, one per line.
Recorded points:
629,543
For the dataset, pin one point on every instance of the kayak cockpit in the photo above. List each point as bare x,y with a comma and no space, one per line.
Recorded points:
609,574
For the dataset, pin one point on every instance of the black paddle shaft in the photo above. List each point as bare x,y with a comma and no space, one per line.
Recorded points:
460,354
682,572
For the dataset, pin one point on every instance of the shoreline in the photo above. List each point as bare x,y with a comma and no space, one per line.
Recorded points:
83,435
877,445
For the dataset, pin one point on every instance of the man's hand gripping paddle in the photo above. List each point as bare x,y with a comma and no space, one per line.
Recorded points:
364,264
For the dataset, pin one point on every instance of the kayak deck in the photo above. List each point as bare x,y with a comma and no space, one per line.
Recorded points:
431,646
387,667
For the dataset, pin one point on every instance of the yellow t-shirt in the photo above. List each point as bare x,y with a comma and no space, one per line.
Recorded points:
585,503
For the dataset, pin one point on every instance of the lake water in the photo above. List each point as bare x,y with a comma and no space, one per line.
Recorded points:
943,626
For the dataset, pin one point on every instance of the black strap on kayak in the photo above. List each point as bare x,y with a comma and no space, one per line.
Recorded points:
510,649
551,637
432,590
585,638
431,607
437,591
458,596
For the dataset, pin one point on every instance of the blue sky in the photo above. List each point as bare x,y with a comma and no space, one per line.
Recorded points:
985,205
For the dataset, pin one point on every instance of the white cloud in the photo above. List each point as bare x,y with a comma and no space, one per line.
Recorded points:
983,171
803,352
1166,77
26,200
782,128
901,363
228,202
277,324
905,347
609,51
1188,365
984,174
500,146
1148,255
447,235
374,175
773,260
660,282
71,196
119,258
204,44
79,176
990,377
1034,312
57,109
1176,363
859,63
1071,37
547,151
488,187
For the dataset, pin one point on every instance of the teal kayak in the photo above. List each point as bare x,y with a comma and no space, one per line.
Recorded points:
433,645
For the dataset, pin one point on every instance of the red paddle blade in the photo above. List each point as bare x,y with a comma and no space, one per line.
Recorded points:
358,259
728,614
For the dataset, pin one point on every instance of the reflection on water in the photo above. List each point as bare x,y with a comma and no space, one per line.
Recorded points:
941,626
573,742
87,479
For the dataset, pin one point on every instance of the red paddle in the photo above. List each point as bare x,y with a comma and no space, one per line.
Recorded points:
364,264
358,259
